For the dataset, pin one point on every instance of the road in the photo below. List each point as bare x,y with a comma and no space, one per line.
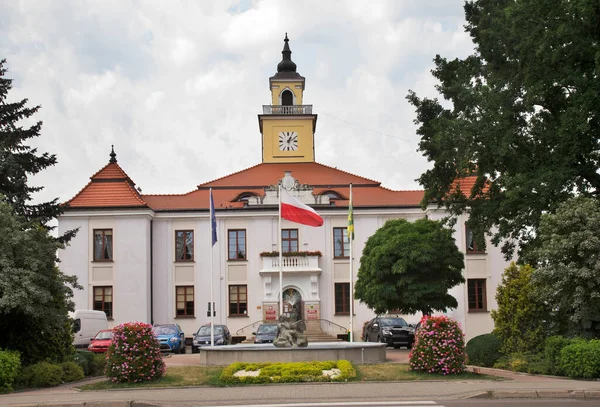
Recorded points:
449,403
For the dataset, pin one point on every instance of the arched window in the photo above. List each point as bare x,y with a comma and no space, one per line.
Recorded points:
244,197
287,98
332,195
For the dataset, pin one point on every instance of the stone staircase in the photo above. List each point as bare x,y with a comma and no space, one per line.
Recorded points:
313,333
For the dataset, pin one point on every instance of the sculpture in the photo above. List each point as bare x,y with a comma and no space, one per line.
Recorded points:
289,334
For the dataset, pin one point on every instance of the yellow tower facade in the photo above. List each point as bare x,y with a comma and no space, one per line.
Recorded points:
287,125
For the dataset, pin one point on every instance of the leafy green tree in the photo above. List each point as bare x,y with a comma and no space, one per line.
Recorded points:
522,320
409,266
35,296
522,116
568,275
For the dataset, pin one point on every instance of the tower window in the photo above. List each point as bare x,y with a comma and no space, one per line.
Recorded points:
287,98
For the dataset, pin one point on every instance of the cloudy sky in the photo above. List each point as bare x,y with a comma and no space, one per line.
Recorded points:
176,86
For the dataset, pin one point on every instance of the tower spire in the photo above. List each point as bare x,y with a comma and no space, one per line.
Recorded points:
113,156
286,64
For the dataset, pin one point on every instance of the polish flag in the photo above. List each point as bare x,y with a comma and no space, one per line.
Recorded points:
295,211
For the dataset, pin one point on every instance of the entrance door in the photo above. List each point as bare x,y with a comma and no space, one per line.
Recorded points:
292,304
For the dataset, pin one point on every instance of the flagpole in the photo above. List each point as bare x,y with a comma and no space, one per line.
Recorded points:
210,268
350,238
280,259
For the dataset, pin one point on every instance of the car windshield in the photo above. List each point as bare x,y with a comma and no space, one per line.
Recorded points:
104,335
393,322
267,329
164,330
205,330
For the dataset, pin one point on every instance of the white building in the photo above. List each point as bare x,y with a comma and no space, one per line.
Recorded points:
146,257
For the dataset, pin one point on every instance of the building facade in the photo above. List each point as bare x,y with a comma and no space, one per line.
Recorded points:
142,257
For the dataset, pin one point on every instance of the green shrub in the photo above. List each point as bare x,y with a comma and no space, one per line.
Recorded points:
526,362
554,345
483,350
10,366
72,371
288,372
42,374
134,354
439,347
98,364
84,360
581,359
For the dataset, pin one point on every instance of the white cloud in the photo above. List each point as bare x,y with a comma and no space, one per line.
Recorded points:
176,86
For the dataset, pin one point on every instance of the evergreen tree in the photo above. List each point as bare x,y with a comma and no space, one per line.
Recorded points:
18,161
522,320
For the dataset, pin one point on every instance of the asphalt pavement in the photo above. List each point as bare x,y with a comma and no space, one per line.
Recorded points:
508,385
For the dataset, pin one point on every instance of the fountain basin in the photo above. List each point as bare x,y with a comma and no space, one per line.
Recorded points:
356,352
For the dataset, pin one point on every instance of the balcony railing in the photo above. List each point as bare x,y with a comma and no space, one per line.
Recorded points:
291,110
291,264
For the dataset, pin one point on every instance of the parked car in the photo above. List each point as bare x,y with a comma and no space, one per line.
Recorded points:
101,341
202,337
86,324
391,330
170,337
265,333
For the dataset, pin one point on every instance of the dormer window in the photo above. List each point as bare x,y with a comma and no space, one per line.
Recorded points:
287,98
245,197
332,195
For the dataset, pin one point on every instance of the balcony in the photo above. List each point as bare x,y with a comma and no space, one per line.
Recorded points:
291,264
287,110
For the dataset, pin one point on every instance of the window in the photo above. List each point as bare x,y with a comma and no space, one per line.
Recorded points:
289,240
103,244
238,300
287,98
341,244
237,244
184,245
332,195
471,244
476,292
103,300
342,298
185,301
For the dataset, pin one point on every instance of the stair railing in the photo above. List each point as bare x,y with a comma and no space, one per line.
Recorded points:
330,325
252,325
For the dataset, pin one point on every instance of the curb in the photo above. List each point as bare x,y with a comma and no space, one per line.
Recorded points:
536,394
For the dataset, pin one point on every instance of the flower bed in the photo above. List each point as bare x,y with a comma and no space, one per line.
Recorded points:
254,373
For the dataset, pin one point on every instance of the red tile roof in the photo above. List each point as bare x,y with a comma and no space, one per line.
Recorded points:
111,187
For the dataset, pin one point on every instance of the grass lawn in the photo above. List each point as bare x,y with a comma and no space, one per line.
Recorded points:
177,376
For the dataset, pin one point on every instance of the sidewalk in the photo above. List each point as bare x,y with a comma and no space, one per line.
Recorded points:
516,385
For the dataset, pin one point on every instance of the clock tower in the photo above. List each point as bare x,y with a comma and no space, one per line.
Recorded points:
287,126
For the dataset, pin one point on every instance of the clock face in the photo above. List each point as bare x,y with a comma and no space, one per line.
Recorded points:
288,141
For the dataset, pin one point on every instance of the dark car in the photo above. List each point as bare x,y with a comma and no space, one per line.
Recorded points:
202,337
265,333
391,330
170,337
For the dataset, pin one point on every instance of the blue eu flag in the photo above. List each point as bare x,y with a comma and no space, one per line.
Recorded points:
213,219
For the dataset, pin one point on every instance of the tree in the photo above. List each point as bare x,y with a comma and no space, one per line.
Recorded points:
19,161
568,275
409,266
522,116
522,320
34,295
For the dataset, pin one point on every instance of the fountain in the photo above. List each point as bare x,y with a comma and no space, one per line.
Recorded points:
291,346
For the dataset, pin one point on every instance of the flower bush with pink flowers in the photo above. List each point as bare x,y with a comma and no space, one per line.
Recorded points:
439,347
134,354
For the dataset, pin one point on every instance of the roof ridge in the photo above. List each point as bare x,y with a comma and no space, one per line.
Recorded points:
229,175
121,170
349,173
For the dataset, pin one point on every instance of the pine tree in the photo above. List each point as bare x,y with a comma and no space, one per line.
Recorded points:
19,161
